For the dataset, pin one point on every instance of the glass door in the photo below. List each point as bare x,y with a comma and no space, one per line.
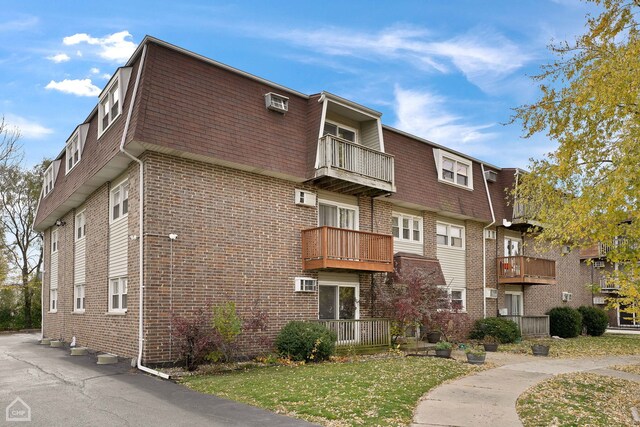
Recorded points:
514,304
337,303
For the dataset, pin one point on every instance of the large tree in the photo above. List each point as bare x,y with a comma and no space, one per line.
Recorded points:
587,191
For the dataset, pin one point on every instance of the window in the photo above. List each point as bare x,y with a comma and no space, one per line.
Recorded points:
120,200
454,169
340,131
449,235
53,300
407,228
73,151
118,294
337,216
81,227
54,241
78,297
110,107
455,298
49,179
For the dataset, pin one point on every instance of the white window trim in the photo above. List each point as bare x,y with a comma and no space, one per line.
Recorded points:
75,297
340,125
449,290
80,216
51,300
449,225
356,218
54,239
439,155
121,78
119,186
49,176
74,140
120,280
412,219
342,285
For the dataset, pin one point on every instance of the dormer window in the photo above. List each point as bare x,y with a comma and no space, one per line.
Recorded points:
49,179
110,104
340,131
453,169
73,151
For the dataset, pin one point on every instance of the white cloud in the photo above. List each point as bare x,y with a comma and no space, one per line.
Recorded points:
25,23
115,47
61,57
106,76
27,128
77,87
94,70
424,114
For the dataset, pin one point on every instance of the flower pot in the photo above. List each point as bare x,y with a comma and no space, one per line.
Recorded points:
540,350
490,346
476,359
443,353
434,336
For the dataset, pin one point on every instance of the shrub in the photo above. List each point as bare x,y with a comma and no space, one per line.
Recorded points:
504,330
594,319
443,345
193,338
227,325
565,322
306,341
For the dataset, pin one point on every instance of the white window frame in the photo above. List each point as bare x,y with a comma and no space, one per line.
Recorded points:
450,290
449,243
412,221
53,300
107,97
356,217
49,180
122,290
440,156
80,230
74,145
121,193
55,245
338,127
79,291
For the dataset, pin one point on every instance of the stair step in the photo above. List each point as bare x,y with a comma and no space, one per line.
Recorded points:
107,359
45,341
78,351
56,344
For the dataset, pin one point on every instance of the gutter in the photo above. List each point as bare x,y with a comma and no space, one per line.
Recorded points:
140,224
484,246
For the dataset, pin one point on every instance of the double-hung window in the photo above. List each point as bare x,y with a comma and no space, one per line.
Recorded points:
49,179
54,241
53,300
120,200
118,294
110,106
453,169
340,131
78,298
449,235
81,226
407,228
73,152
454,298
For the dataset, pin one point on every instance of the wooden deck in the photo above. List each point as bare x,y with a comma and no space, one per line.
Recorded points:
526,270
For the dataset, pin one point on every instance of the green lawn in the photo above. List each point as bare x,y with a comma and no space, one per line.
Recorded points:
606,345
362,392
579,399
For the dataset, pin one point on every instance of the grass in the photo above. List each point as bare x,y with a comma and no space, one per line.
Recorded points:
606,345
579,399
361,392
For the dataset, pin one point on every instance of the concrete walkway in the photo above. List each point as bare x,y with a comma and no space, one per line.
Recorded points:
489,397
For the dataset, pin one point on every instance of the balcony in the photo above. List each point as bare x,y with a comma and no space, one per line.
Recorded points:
526,271
339,248
523,216
607,285
350,168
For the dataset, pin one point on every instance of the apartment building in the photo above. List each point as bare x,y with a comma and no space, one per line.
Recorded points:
206,184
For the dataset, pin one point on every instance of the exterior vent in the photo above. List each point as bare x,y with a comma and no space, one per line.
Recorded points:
598,264
491,293
490,234
491,176
276,102
567,296
566,249
598,300
306,284
305,198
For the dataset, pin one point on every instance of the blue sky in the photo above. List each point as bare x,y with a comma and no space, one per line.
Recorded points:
448,71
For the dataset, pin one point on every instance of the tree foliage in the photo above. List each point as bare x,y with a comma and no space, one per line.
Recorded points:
587,191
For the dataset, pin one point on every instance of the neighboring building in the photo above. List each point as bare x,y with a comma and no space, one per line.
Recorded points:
261,195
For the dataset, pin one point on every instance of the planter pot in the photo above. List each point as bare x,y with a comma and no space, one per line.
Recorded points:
490,346
540,350
443,353
434,336
475,359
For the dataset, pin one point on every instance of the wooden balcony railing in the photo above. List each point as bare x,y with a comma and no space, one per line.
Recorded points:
339,248
526,270
531,326
360,333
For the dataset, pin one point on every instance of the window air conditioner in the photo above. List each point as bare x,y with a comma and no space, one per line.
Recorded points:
305,198
491,176
306,284
491,293
598,264
566,296
276,102
490,234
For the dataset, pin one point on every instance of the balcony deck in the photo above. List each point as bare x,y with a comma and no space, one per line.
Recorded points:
338,248
526,271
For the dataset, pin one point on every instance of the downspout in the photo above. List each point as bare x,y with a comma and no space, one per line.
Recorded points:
140,223
484,246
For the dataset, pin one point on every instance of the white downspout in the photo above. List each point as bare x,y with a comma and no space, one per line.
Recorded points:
484,246
140,223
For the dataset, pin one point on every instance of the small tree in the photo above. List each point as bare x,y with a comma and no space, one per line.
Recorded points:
226,326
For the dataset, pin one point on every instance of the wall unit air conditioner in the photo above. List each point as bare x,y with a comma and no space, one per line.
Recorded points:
598,300
306,284
491,176
490,234
276,102
598,264
567,296
305,198
490,293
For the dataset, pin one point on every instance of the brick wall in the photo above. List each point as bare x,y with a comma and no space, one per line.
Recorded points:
474,268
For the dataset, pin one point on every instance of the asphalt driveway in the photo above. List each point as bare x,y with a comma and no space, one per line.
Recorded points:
64,390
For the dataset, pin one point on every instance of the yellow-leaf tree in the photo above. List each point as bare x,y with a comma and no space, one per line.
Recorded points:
587,191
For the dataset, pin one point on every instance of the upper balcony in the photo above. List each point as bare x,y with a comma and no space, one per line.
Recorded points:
523,216
339,248
523,270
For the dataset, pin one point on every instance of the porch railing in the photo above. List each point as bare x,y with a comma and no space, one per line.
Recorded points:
531,326
355,158
526,270
361,332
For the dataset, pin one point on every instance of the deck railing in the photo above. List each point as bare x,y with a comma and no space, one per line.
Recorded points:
531,326
608,285
361,332
331,247
521,269
355,158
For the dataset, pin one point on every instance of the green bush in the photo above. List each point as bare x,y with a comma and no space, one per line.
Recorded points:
565,322
594,319
306,341
504,330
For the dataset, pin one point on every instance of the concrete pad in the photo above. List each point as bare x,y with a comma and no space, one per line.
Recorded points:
45,341
107,359
79,351
56,344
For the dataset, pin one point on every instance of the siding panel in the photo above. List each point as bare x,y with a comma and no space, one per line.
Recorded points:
118,248
79,262
54,271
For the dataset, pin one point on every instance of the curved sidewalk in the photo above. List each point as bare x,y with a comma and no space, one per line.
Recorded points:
489,397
